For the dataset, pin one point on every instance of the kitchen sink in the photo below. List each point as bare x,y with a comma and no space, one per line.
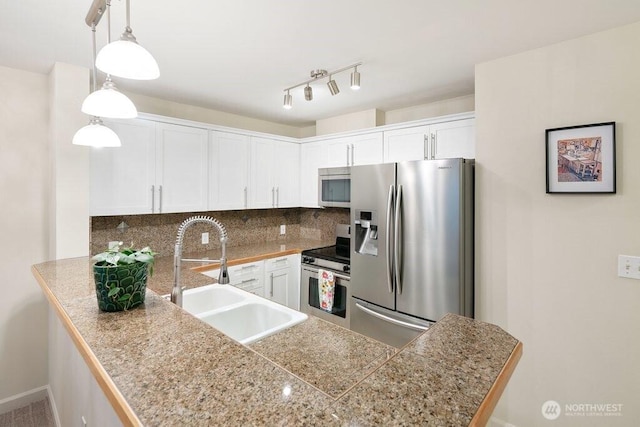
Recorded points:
240,315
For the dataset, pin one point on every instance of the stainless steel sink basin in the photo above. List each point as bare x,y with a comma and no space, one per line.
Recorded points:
240,315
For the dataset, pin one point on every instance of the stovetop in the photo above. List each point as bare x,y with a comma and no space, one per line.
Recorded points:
332,253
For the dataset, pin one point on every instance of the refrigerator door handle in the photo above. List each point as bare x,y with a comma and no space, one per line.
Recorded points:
397,241
391,319
388,243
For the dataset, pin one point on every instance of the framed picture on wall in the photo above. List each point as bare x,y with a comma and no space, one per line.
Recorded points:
582,159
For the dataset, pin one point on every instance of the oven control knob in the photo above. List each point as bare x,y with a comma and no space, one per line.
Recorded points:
346,268
308,259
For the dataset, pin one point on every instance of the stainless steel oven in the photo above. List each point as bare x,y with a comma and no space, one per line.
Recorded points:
336,260
309,301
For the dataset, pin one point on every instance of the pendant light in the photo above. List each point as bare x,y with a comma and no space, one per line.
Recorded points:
96,134
107,101
126,58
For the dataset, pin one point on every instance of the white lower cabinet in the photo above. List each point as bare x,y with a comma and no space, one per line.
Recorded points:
282,280
277,279
78,399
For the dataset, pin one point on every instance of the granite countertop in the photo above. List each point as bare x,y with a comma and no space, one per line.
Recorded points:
179,370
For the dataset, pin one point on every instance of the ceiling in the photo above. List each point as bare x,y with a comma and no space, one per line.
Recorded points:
238,55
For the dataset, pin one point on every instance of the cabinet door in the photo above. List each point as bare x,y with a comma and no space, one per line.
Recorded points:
366,149
277,286
313,155
454,139
339,152
286,173
262,191
182,169
406,144
122,180
229,171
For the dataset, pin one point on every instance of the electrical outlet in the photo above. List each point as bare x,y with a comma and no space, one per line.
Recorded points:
283,230
629,266
205,238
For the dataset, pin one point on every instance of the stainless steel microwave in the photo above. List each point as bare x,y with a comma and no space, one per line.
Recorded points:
334,187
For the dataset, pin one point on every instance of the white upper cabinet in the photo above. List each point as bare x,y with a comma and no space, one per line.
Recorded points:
275,173
402,145
453,139
313,155
437,141
182,169
287,174
355,150
122,180
229,171
160,168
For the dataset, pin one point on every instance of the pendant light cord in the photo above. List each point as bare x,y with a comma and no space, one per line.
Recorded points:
95,73
108,21
128,16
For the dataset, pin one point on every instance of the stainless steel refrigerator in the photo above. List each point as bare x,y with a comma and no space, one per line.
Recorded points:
411,246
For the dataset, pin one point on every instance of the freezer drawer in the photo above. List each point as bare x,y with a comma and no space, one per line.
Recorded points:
389,327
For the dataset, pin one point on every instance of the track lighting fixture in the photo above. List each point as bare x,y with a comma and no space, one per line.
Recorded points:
331,84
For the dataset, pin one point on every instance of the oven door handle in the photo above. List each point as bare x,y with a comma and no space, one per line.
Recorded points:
314,270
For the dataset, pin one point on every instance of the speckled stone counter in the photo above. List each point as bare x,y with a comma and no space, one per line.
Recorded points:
158,365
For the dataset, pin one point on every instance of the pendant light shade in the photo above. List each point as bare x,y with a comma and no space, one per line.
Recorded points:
126,58
109,102
96,134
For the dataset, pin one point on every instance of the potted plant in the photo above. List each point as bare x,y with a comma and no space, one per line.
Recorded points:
120,275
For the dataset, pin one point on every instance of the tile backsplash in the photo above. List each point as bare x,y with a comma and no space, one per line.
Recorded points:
244,227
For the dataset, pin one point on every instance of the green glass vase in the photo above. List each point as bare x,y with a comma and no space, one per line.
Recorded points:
120,287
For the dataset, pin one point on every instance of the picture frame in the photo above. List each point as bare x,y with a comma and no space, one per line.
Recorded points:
581,159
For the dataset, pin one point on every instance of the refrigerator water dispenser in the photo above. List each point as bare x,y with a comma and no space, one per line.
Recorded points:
366,239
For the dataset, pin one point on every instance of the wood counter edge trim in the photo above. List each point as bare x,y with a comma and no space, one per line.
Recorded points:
493,396
118,402
247,260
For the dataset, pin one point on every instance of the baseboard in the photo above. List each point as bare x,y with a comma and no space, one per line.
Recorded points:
54,408
23,399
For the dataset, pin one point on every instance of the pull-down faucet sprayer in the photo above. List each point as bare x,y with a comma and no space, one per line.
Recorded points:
223,278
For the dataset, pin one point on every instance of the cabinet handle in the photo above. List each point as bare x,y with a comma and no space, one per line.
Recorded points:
347,154
271,292
248,281
245,197
248,267
153,199
353,150
277,197
426,147
273,197
160,204
280,260
433,146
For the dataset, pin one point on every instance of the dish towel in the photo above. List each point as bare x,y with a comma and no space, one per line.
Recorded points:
326,286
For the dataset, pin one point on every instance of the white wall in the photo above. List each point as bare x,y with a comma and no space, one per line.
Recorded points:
461,104
547,264
24,190
167,108
69,208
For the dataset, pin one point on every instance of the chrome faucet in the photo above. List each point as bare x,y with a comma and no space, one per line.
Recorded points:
223,278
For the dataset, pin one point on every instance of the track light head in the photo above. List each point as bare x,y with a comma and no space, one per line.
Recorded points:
308,93
333,86
355,79
287,101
